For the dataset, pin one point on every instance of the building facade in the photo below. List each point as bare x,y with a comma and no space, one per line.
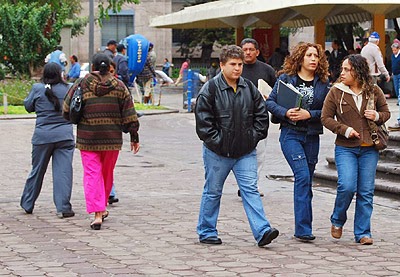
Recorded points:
133,19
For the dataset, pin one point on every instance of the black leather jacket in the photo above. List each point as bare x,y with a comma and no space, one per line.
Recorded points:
231,123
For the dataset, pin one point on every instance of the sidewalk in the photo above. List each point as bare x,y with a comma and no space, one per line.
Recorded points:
152,230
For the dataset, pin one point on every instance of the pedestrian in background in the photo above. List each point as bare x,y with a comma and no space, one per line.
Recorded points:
346,113
307,70
254,70
230,133
75,70
335,60
111,49
373,54
52,138
145,81
166,66
108,111
58,57
121,64
184,66
396,80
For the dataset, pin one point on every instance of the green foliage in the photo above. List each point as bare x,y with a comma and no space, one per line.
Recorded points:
24,43
16,90
13,110
175,72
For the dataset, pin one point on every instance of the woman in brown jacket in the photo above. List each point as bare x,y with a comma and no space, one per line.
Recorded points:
345,113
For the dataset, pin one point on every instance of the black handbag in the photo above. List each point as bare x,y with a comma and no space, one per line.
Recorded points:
76,106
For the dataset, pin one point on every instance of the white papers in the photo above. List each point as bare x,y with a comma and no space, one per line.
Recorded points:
264,88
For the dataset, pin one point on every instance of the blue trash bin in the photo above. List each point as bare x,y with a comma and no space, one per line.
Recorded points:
191,88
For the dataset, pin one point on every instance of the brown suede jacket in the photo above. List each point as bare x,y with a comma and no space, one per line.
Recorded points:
340,112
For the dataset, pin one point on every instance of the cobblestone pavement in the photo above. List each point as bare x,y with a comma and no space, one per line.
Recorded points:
152,230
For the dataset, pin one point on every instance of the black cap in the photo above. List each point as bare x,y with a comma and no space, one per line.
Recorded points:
120,47
111,41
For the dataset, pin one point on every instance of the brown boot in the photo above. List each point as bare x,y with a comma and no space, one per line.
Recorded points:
336,232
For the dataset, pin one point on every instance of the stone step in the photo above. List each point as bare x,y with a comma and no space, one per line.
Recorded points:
394,139
385,170
390,154
325,175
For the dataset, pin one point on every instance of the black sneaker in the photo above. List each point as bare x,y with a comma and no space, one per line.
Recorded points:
268,236
66,214
306,238
112,199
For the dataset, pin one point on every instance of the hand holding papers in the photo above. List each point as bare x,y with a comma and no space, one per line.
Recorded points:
264,88
288,96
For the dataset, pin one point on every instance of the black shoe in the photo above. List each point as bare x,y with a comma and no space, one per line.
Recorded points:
305,238
211,240
239,193
28,212
268,236
112,199
95,226
66,214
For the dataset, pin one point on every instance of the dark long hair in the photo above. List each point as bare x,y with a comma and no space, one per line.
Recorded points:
101,62
52,75
360,71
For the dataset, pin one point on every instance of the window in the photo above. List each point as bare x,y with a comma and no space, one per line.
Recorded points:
118,26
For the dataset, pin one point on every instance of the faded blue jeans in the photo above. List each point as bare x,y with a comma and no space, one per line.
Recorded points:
396,83
301,153
217,169
356,168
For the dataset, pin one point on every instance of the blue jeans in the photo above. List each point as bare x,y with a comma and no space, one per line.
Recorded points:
301,153
113,193
396,83
217,169
356,168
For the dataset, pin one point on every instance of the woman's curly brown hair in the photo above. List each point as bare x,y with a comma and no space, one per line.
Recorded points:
294,61
360,71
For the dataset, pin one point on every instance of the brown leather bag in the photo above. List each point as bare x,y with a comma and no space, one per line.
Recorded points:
379,134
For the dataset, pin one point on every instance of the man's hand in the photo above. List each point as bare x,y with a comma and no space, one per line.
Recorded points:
135,146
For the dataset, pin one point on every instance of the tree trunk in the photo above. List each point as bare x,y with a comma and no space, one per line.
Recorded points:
206,50
396,28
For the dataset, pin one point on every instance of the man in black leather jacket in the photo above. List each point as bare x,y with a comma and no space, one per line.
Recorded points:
231,118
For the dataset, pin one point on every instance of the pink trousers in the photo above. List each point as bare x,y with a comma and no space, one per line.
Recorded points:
98,178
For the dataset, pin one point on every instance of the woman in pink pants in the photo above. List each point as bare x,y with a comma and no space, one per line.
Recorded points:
108,111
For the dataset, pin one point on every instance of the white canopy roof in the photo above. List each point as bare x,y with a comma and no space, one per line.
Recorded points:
265,13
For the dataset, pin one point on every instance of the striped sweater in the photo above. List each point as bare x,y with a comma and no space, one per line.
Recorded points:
108,111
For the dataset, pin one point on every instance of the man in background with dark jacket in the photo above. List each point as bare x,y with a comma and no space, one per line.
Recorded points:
121,64
231,118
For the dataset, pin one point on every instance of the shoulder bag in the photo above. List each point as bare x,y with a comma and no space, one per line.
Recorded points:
379,134
76,105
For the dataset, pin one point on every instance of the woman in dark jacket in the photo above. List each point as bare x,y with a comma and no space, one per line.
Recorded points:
307,70
53,138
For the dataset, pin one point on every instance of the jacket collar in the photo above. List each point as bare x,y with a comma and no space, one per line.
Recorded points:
224,85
